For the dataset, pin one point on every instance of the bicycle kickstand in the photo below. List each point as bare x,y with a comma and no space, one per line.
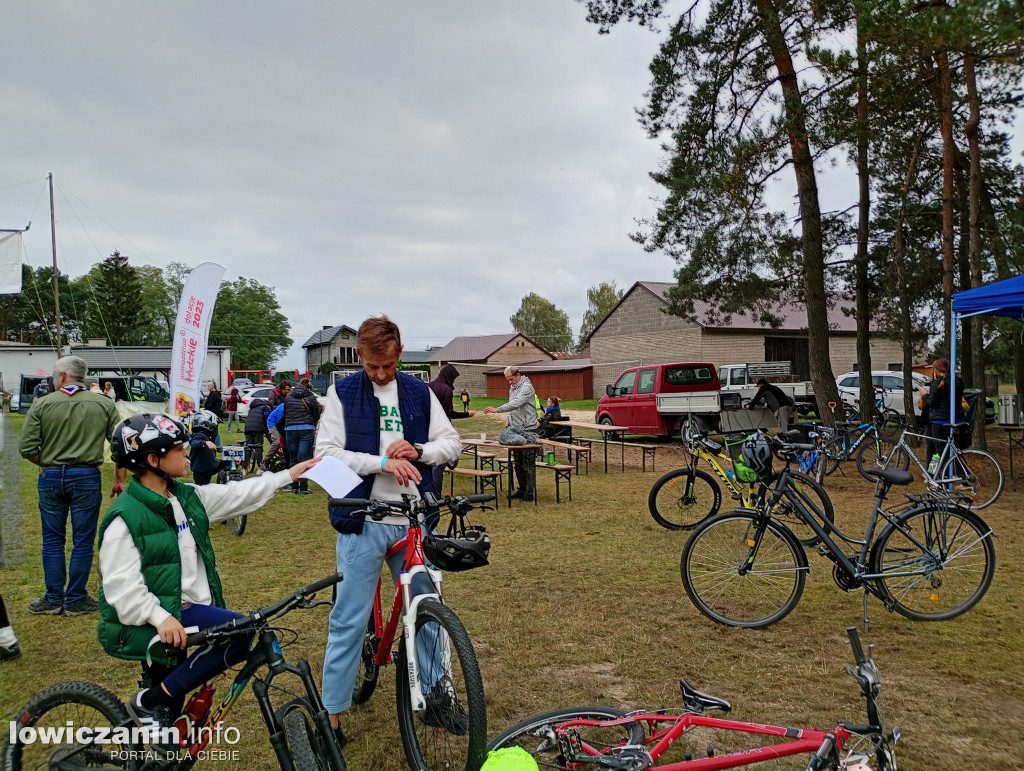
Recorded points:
866,630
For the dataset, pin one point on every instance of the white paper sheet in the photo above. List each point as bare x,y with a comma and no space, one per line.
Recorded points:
334,476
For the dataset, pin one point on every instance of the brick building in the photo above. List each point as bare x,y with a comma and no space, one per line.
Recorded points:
475,356
638,331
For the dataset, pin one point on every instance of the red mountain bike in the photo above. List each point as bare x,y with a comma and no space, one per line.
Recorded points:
605,737
442,716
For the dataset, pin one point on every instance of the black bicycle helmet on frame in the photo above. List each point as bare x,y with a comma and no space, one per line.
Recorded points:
139,435
455,554
757,454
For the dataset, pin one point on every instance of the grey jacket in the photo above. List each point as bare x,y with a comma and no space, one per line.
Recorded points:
522,412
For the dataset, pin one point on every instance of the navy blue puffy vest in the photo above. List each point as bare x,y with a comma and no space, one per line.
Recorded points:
362,433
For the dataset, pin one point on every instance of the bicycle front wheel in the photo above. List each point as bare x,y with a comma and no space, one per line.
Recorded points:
684,498
828,460
935,562
874,453
739,571
306,743
451,733
81,704
237,524
813,498
976,474
536,735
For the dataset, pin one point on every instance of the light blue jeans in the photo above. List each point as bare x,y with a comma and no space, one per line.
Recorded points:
360,560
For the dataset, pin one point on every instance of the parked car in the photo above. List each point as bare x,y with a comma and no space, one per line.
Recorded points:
890,380
240,383
247,395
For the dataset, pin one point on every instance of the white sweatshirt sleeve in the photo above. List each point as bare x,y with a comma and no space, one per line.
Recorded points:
243,497
330,439
123,585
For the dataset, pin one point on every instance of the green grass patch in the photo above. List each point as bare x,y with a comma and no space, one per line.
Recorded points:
582,603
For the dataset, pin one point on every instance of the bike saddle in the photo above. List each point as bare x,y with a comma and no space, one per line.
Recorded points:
701,702
893,476
793,437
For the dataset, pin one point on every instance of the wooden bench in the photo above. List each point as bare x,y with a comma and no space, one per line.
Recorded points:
646,449
482,479
484,459
571,448
561,472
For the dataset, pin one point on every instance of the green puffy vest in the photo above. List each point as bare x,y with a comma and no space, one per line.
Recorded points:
150,522
536,405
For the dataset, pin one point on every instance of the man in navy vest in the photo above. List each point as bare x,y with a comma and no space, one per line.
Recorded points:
390,429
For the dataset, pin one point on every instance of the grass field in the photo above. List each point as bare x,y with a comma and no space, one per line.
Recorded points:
583,603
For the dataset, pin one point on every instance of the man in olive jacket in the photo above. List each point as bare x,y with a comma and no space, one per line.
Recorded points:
64,434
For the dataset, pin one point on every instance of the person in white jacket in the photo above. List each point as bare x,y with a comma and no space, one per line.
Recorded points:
157,565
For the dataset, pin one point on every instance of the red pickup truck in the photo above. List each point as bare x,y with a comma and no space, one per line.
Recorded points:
657,398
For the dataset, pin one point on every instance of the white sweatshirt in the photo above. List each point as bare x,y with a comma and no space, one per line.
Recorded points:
443,446
121,564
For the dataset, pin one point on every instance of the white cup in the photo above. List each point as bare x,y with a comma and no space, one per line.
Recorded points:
483,436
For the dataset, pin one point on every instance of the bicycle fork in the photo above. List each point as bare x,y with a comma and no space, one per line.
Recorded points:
411,604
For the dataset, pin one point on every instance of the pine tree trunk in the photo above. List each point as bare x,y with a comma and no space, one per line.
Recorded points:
974,216
822,376
862,286
906,324
948,151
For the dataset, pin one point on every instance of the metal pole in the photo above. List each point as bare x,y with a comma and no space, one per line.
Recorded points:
56,272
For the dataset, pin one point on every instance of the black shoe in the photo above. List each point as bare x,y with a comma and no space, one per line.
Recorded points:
43,607
88,605
154,721
305,492
517,495
10,652
445,712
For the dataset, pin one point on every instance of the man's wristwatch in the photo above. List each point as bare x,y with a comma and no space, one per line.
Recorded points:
419,451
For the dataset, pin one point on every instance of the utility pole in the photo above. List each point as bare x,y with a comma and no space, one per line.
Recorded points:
56,272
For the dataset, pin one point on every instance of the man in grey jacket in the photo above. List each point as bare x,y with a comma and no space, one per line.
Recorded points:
522,418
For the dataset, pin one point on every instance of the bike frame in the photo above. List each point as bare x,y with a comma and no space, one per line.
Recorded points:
857,570
949,451
405,606
698,453
805,740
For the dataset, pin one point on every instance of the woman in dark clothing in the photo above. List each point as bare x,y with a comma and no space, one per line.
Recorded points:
444,389
552,414
298,424
936,399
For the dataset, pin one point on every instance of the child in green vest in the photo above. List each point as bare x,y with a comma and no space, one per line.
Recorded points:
158,571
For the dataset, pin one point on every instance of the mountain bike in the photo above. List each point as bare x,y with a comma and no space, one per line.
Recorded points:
608,738
300,731
837,445
930,561
888,421
435,662
235,455
689,496
971,472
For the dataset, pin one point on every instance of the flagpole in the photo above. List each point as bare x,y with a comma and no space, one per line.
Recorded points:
56,273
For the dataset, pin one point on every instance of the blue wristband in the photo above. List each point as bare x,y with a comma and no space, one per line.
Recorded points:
383,461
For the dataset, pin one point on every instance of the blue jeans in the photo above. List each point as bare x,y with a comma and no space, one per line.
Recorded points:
360,559
65,489
300,448
232,419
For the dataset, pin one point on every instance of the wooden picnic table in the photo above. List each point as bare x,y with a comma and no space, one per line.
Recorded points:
604,431
509,449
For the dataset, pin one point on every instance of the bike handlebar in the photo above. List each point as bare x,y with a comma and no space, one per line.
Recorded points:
263,613
858,649
378,509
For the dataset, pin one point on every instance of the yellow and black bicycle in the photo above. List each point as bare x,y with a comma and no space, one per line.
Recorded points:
686,497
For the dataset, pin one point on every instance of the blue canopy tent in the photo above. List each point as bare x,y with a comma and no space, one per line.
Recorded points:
1003,298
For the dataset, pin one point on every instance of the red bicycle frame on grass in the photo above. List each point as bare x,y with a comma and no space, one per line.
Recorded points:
807,740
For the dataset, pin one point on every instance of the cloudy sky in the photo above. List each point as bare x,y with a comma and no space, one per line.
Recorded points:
434,161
